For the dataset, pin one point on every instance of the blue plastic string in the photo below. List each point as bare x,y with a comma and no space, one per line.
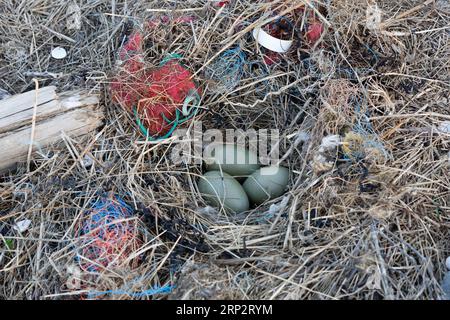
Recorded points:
363,127
97,225
150,292
228,69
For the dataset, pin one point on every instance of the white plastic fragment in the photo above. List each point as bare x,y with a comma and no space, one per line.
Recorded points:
330,143
59,53
324,158
74,280
444,127
73,13
22,226
373,17
208,211
4,94
87,161
301,136
73,270
14,51
271,43
275,208
447,263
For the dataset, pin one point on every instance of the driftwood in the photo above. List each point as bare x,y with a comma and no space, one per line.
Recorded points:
75,113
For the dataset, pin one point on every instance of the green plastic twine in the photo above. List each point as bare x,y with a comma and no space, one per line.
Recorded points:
187,113
170,56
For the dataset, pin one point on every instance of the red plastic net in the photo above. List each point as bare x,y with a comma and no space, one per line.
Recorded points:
155,93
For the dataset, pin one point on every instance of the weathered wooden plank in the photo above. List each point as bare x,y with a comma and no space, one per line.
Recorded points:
74,123
75,113
20,107
17,111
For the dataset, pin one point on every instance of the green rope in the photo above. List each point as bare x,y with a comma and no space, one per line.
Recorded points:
170,56
192,97
145,132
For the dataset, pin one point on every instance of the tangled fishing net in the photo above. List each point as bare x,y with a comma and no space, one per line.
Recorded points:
161,99
107,236
228,70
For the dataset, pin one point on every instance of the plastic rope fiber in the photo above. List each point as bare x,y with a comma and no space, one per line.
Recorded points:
188,114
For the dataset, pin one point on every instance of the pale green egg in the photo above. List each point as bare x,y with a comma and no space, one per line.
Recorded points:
222,190
235,160
266,183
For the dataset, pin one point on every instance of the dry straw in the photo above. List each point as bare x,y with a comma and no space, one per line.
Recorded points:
365,228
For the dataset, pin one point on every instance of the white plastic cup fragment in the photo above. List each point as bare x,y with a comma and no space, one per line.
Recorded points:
271,43
59,53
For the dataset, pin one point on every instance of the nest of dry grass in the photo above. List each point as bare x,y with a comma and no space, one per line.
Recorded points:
375,226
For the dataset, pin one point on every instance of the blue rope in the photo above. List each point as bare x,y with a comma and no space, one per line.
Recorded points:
111,208
102,214
150,292
228,69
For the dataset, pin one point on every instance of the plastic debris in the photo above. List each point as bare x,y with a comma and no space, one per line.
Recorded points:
87,161
219,3
271,43
362,126
4,94
444,127
150,292
208,211
14,51
275,209
315,30
325,156
330,143
73,13
373,17
271,40
227,70
22,226
272,58
446,285
59,53
447,263
73,282
166,20
161,98
107,236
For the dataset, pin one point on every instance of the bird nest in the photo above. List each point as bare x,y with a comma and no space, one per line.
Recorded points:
358,111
